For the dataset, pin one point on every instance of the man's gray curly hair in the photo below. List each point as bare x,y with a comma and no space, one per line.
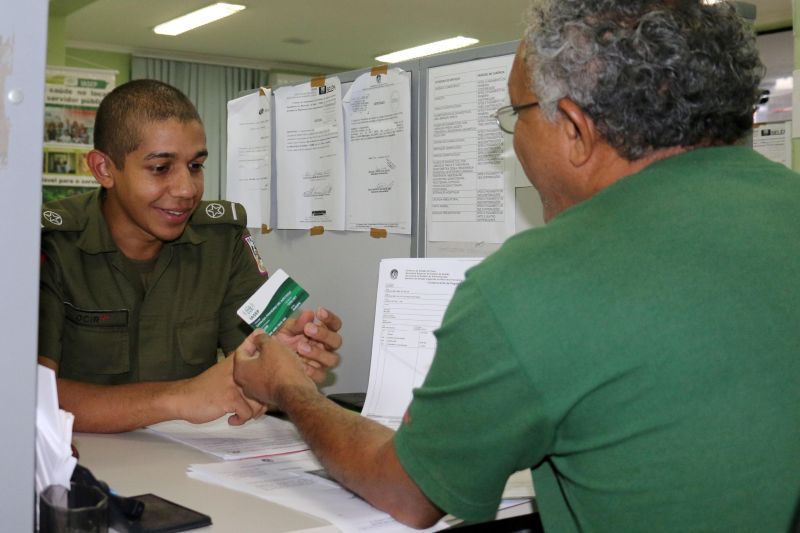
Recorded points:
650,74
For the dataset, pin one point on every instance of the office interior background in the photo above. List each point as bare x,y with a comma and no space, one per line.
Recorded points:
287,40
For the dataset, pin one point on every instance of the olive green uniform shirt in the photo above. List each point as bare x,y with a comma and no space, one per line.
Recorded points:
99,322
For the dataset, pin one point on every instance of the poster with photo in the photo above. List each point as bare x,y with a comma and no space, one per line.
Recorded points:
72,96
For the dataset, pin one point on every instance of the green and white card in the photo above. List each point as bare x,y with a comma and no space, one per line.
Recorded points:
270,306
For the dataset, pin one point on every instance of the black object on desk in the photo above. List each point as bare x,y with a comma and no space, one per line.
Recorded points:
349,400
160,516
528,523
146,513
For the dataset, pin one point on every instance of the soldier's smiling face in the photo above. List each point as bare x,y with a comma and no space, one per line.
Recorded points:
161,182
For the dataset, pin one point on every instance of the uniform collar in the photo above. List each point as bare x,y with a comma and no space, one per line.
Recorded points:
96,236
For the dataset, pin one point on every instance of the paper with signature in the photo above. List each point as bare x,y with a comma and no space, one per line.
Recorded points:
377,118
249,162
310,155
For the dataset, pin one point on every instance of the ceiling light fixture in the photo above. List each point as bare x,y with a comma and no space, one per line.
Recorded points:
197,18
427,49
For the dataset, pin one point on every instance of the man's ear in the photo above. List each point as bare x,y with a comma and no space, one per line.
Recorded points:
102,168
580,132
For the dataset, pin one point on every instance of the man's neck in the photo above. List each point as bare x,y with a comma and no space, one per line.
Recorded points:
615,168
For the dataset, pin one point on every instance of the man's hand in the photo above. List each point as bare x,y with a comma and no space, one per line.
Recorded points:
265,369
316,341
213,394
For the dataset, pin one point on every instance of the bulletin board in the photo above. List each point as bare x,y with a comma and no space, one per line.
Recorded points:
339,269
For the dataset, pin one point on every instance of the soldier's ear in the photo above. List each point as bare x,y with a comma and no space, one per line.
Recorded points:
102,168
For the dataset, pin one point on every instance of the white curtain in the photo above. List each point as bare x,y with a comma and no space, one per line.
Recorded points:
209,87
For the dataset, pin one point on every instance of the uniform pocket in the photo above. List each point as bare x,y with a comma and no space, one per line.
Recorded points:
197,341
94,343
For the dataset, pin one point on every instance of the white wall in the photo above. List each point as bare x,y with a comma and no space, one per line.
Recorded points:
23,36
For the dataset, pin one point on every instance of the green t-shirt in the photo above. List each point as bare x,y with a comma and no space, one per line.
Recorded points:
641,353
103,323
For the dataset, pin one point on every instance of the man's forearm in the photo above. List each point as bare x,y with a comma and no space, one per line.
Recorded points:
360,454
113,409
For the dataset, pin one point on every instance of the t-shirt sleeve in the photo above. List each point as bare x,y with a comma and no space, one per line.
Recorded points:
476,419
247,275
51,306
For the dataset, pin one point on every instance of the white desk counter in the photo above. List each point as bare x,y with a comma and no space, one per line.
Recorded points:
140,462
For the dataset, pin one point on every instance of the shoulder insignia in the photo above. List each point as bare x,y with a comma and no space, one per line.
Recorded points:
68,213
220,212
59,220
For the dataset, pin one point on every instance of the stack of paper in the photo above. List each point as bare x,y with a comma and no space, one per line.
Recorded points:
264,436
298,481
54,460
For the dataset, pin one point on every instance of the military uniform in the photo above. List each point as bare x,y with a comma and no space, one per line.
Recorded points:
106,319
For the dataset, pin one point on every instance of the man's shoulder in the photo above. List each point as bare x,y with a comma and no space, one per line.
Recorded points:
219,212
67,214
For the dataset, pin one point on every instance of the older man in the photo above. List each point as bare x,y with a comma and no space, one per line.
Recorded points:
641,353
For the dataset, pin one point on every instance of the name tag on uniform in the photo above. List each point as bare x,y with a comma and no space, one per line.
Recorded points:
96,317
270,306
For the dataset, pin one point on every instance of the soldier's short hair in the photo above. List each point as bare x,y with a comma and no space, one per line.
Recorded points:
123,111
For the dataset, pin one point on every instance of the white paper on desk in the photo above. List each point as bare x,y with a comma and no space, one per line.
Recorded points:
310,156
377,118
297,481
412,297
249,161
260,437
54,460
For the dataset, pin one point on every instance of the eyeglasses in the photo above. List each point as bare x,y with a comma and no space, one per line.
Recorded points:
507,115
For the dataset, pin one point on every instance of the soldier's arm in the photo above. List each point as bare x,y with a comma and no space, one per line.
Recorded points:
117,408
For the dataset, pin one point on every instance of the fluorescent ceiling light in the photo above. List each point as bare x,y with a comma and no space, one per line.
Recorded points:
197,18
427,49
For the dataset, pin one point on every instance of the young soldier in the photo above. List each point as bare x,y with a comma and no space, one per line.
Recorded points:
141,280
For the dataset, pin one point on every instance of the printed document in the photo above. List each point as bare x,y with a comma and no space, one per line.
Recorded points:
377,114
310,156
471,167
412,297
262,436
773,140
298,481
249,163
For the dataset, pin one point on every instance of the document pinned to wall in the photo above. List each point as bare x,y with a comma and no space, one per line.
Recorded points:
412,297
310,155
377,115
249,163
471,167
773,140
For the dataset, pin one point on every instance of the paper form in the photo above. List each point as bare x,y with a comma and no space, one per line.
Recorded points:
377,115
263,436
412,297
471,167
298,481
773,140
249,162
310,156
